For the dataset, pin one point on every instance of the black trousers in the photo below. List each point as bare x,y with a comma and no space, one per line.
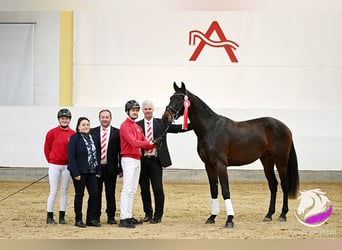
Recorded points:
109,181
87,181
152,172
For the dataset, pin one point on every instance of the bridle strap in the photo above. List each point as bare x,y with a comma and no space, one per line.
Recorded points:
175,112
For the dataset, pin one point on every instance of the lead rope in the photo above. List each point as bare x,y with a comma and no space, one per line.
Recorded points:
24,187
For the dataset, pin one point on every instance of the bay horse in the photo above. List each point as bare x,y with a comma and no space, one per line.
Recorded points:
223,142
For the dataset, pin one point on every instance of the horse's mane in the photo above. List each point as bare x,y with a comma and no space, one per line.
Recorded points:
206,109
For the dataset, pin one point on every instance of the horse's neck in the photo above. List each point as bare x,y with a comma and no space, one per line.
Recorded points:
200,115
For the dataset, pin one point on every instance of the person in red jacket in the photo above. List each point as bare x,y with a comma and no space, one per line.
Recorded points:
132,139
56,154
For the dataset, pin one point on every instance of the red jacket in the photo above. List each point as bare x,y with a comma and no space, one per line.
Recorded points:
132,139
56,145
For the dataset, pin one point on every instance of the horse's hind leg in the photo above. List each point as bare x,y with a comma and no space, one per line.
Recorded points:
283,182
268,164
213,181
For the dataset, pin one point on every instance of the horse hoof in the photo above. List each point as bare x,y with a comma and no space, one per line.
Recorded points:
211,220
229,225
267,219
282,219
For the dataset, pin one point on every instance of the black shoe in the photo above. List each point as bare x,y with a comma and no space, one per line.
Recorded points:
147,218
49,218
50,221
93,223
126,223
80,224
155,220
62,221
111,221
62,217
134,221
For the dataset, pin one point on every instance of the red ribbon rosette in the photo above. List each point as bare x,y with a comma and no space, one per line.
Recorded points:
186,105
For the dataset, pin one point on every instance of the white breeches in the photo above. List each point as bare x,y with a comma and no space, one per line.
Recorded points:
130,180
58,173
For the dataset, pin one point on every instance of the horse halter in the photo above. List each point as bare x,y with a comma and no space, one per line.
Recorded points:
175,112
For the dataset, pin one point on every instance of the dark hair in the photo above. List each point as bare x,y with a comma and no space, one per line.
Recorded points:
79,121
105,110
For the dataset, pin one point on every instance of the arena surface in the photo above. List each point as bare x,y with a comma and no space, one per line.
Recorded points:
187,206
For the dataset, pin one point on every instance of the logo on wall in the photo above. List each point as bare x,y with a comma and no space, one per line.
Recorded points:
228,45
314,208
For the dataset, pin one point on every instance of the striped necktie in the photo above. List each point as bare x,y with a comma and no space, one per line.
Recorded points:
149,134
103,144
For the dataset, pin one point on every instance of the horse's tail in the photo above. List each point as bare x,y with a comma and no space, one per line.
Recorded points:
292,174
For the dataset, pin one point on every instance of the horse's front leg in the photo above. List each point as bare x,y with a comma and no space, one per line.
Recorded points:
213,181
223,176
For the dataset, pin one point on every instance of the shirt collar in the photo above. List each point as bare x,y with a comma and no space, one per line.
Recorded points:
108,128
151,121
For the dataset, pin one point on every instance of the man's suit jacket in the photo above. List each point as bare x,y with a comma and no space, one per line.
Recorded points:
113,150
158,129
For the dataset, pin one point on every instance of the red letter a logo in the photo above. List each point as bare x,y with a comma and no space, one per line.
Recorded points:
205,39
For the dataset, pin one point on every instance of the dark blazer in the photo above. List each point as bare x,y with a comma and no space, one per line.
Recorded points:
78,156
113,150
158,129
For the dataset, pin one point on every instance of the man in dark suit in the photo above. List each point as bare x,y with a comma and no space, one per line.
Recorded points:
107,141
153,161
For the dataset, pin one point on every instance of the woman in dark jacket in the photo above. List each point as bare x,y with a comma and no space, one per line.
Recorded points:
83,166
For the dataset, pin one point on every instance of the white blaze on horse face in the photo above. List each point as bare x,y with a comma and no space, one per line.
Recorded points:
229,207
215,206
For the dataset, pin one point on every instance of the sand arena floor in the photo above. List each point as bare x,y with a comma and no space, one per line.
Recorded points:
187,206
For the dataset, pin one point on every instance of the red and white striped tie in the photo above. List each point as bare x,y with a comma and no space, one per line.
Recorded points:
149,135
103,144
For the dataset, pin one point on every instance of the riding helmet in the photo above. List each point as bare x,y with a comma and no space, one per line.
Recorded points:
131,104
64,113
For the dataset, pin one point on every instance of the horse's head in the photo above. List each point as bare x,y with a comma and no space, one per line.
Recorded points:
175,108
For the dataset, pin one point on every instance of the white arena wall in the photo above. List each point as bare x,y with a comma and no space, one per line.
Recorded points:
290,68
318,145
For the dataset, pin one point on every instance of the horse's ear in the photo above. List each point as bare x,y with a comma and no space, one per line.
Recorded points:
175,86
183,86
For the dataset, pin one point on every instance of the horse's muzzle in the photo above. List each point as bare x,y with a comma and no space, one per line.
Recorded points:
167,117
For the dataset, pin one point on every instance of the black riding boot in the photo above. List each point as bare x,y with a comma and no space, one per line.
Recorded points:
61,217
49,218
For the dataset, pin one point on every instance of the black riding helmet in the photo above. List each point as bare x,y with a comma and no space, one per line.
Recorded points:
64,113
131,104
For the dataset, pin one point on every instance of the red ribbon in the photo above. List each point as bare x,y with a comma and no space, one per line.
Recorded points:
186,105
